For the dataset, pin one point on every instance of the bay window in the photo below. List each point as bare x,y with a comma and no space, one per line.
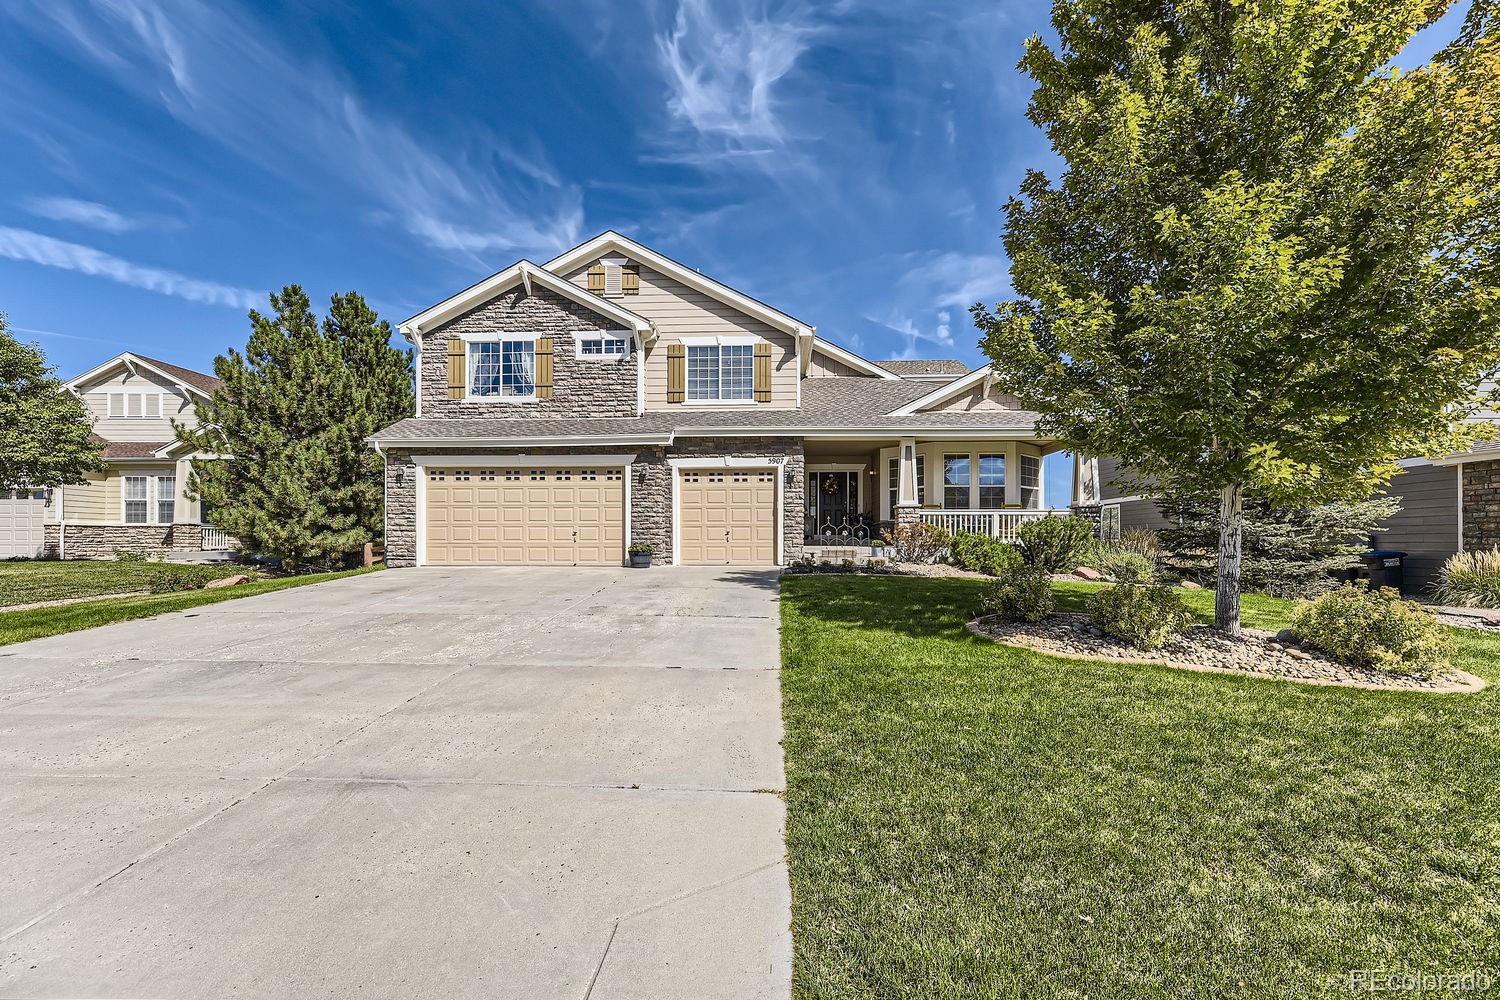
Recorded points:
991,482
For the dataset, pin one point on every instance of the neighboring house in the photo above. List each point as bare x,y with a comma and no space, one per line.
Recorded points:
1448,505
137,503
614,396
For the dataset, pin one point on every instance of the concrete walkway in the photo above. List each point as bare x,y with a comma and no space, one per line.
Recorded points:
417,783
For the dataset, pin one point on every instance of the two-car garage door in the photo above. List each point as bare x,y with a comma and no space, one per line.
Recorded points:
576,516
525,517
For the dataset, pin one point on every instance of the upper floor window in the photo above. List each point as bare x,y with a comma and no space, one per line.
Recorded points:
721,372
504,368
602,346
135,404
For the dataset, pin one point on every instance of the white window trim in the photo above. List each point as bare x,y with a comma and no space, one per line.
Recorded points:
151,499
494,337
678,464
583,336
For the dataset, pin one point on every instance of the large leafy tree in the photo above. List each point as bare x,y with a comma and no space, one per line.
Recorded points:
1269,266
46,433
297,480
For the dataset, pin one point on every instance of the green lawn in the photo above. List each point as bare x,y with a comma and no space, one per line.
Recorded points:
966,820
37,623
28,582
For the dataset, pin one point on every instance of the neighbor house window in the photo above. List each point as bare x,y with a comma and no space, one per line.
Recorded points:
895,483
956,482
1031,482
166,499
601,345
991,481
505,368
721,372
135,404
137,506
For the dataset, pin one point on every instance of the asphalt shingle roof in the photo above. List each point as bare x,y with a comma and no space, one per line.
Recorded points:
925,366
198,380
827,404
131,449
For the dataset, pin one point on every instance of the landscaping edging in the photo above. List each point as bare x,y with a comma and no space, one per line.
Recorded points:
1254,654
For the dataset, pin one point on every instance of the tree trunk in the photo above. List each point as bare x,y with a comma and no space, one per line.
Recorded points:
1227,589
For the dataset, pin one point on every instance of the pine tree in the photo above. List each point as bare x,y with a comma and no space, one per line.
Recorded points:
1269,268
297,480
1287,551
46,433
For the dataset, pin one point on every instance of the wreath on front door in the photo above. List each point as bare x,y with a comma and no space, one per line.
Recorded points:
830,485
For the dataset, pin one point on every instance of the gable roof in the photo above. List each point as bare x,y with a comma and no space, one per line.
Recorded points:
925,368
945,392
850,359
522,272
609,240
194,381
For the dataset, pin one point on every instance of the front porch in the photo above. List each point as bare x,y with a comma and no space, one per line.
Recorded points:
858,489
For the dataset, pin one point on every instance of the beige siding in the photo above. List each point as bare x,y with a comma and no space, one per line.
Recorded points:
679,311
176,405
977,402
97,500
821,365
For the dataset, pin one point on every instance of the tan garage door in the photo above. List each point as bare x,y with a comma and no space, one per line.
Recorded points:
728,517
525,517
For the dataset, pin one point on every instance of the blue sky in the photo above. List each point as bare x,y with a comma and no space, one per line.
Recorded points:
168,163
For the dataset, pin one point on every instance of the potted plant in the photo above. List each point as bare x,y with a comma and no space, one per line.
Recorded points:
640,555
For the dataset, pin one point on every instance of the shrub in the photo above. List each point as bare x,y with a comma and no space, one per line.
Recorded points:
1373,628
1141,541
640,549
1053,543
166,579
983,554
1124,566
126,556
917,542
1470,580
1022,595
1143,617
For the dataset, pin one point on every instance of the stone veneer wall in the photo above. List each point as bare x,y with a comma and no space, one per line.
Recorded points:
650,490
581,387
101,541
1481,505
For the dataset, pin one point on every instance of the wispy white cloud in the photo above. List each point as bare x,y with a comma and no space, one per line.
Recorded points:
84,213
219,72
932,289
721,62
25,245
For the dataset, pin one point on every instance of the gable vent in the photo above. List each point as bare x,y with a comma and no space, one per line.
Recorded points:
612,280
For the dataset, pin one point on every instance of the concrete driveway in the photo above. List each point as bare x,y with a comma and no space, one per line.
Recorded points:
500,783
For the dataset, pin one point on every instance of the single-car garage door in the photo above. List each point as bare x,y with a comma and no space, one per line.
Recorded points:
728,517
21,519
525,517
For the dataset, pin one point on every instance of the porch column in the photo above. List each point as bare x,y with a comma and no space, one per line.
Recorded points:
181,504
906,493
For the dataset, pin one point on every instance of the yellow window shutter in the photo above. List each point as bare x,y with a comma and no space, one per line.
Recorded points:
596,279
544,368
676,373
458,380
762,372
630,279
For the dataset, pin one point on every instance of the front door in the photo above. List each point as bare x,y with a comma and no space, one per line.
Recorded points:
834,504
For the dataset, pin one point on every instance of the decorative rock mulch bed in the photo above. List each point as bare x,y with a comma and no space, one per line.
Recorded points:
1256,653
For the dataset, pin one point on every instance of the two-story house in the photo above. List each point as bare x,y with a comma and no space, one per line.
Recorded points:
137,503
614,396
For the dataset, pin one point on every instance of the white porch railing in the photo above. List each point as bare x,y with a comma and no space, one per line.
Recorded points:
214,539
1001,524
